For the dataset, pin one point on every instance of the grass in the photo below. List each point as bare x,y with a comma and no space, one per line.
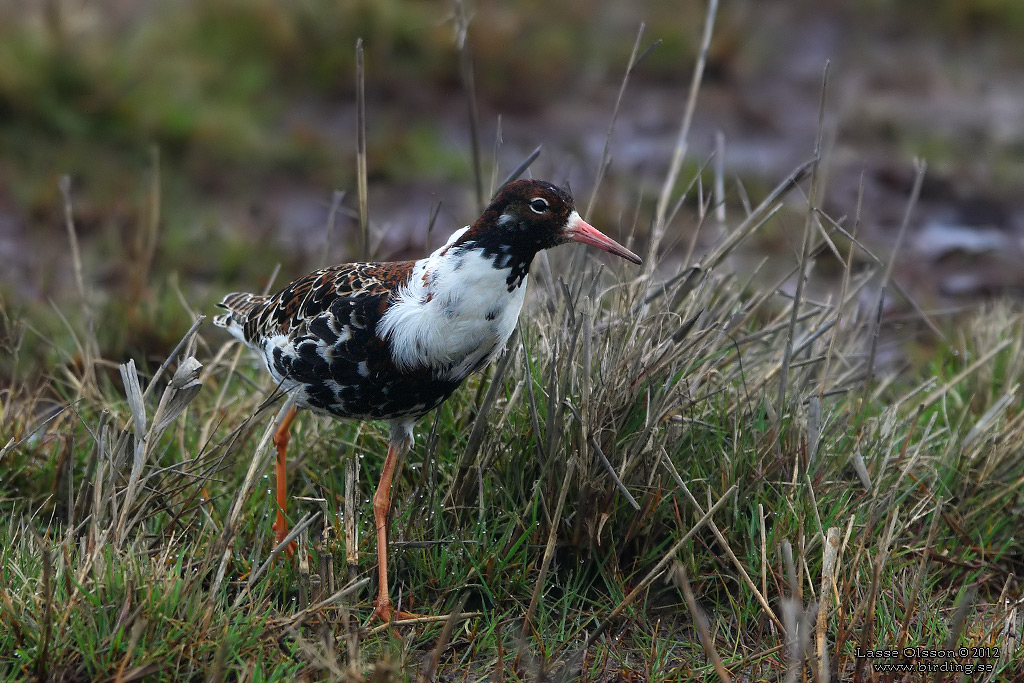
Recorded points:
116,529
661,480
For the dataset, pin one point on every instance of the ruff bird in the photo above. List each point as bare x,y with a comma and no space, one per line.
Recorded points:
391,341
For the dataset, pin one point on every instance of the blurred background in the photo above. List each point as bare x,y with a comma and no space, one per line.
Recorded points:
206,141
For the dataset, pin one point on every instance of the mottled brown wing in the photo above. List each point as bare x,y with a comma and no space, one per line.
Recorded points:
257,317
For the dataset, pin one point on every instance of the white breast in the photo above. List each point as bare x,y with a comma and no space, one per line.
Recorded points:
454,315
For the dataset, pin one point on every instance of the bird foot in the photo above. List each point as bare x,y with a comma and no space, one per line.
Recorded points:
385,612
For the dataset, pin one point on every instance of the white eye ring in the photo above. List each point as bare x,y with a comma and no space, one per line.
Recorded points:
538,205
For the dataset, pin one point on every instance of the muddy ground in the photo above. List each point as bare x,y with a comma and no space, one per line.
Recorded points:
896,92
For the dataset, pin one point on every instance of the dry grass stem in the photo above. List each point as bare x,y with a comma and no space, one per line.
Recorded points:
361,173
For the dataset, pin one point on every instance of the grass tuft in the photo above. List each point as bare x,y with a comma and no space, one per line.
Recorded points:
628,495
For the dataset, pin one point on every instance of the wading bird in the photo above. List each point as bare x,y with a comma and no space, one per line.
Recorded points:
392,341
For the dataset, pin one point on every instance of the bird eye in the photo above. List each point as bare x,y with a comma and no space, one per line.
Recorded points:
538,205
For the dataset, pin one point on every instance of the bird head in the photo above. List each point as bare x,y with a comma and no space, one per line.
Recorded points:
531,215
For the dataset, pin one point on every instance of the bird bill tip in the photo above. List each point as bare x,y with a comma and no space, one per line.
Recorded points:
578,230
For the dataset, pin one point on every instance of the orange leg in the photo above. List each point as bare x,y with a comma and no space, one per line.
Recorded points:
383,609
281,438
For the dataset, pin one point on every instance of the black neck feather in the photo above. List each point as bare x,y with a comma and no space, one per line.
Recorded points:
515,256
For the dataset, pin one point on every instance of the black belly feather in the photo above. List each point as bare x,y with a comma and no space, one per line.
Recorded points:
347,370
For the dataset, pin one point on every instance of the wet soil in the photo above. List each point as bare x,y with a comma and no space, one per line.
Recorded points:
893,95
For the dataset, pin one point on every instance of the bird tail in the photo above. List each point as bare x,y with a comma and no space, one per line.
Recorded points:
240,305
